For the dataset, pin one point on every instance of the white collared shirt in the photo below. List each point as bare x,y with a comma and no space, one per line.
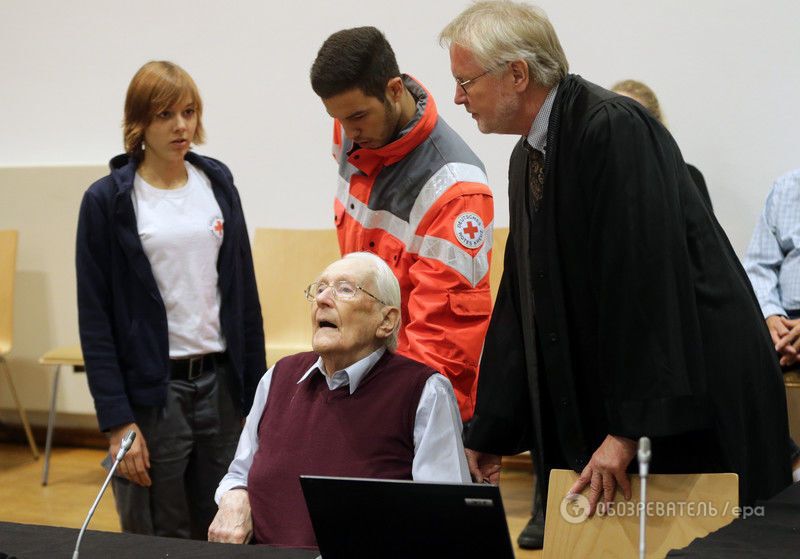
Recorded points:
438,450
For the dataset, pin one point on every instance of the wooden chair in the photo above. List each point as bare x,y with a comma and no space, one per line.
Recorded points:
68,356
286,261
690,506
499,239
8,268
792,382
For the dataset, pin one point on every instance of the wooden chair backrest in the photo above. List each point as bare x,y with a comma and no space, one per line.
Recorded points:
792,382
680,508
286,261
8,268
499,239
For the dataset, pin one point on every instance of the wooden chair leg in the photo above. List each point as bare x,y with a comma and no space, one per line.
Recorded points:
22,415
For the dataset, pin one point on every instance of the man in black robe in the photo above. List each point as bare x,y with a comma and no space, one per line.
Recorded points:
623,311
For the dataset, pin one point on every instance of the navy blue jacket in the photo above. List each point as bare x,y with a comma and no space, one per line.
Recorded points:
123,321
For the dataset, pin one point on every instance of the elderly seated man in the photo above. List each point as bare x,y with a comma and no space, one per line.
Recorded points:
352,407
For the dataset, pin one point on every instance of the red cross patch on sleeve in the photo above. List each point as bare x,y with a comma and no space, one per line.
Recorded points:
469,230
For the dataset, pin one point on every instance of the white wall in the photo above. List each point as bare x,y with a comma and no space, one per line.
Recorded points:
726,71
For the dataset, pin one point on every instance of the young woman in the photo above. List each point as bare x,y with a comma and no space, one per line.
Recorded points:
170,320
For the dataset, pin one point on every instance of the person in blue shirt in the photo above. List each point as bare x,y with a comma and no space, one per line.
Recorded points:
772,263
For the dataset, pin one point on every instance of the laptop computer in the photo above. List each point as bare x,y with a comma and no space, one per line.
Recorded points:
357,518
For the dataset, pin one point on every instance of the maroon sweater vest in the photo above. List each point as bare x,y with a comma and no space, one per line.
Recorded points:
307,429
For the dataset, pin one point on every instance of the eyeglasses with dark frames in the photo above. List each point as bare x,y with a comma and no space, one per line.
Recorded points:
343,290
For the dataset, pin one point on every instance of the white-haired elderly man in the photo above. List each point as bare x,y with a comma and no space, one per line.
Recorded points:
352,407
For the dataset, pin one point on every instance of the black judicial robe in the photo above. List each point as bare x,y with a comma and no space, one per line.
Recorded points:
700,183
624,310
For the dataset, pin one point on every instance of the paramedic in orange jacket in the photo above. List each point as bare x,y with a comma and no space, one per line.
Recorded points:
411,191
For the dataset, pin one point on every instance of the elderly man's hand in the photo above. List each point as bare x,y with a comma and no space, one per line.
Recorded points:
136,463
606,470
483,467
233,522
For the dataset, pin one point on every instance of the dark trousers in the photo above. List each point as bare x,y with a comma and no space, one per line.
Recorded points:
191,443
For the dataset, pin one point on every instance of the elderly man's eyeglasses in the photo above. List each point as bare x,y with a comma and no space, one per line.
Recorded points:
465,83
342,290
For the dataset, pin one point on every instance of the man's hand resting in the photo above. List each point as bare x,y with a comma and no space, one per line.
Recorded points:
233,522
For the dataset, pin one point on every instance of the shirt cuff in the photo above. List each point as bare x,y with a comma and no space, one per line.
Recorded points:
227,484
770,309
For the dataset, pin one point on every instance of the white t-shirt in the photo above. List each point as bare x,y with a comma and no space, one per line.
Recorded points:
181,231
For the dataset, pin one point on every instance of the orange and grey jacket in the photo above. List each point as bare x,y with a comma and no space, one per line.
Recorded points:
422,204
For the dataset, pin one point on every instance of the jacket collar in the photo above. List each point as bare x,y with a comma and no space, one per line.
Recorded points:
123,170
413,134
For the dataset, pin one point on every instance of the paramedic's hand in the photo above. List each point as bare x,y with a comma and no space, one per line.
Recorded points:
484,467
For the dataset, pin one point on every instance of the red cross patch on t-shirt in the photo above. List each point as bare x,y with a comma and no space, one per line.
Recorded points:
217,227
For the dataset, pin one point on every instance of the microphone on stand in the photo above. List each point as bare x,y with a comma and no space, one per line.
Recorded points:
124,448
644,455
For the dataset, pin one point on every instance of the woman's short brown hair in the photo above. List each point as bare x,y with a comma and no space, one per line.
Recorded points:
156,87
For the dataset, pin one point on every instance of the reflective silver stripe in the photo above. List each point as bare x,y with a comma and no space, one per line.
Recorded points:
431,191
372,219
447,252
343,190
473,268
439,183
